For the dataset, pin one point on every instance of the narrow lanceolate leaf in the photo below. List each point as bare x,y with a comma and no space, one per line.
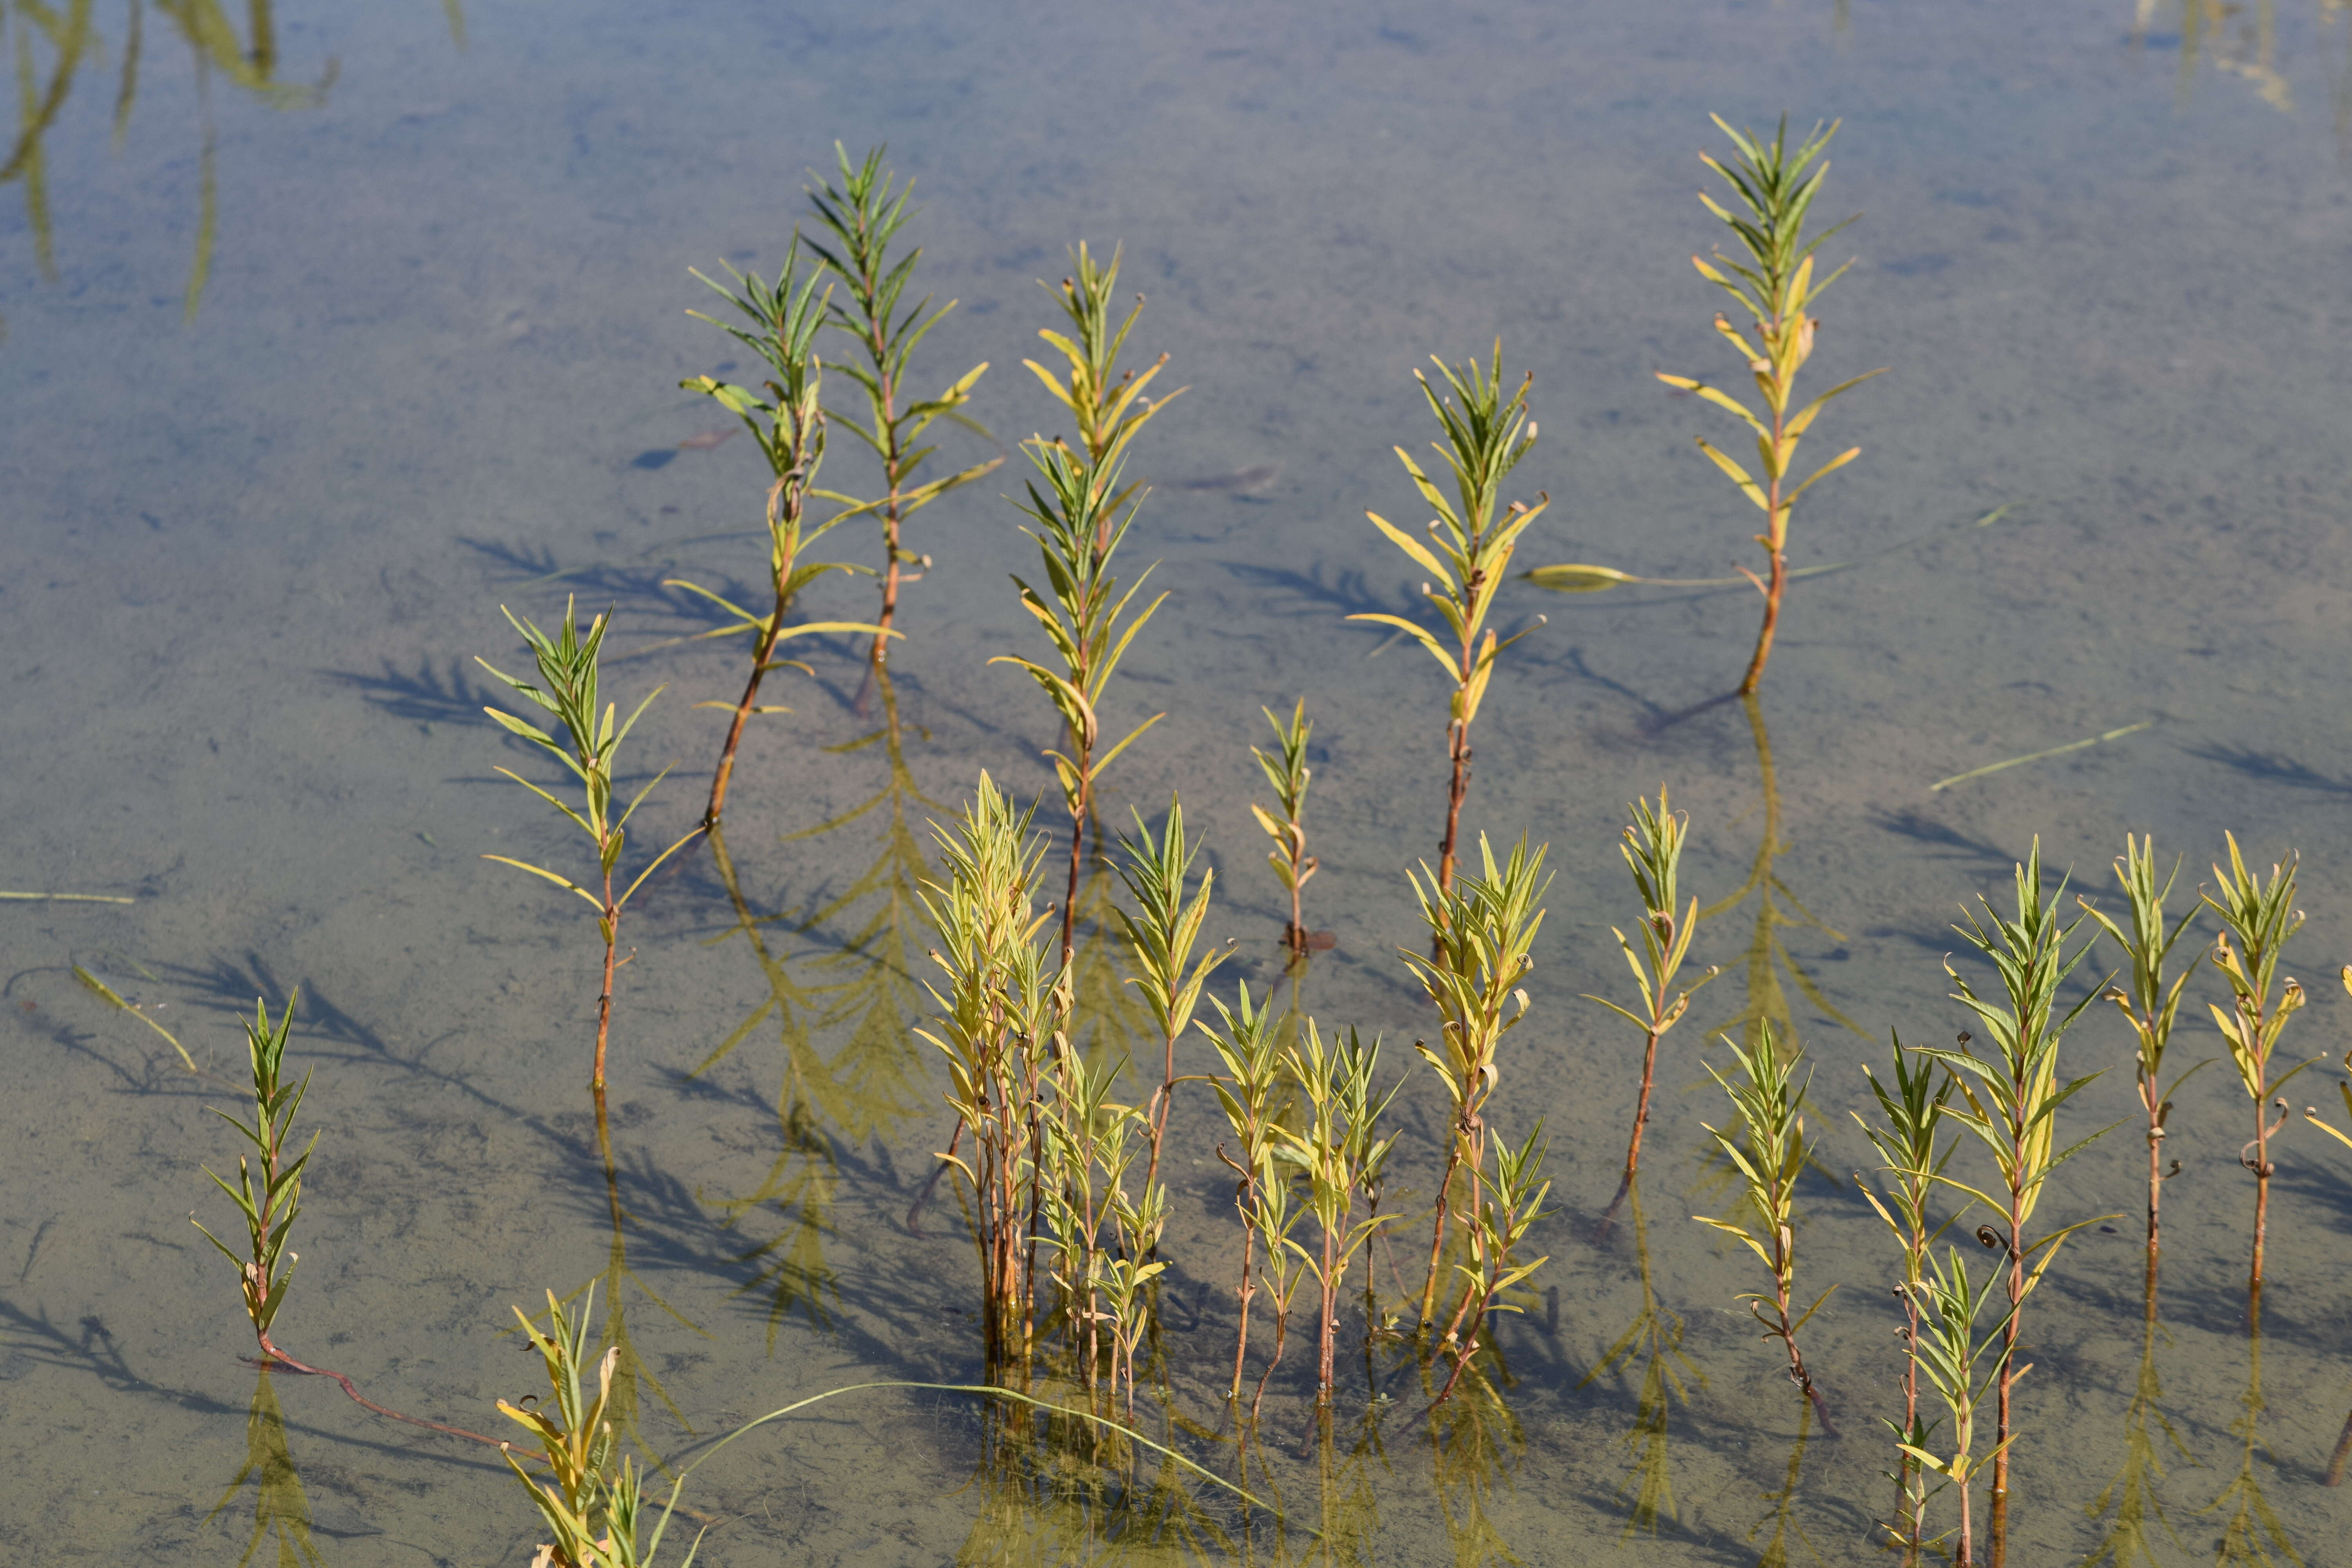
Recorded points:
1748,487
1421,634
1420,552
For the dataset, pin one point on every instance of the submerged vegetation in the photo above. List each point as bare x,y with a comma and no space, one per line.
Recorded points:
1067,1011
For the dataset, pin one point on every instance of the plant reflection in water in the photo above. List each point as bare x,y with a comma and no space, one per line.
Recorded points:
280,1508
53,44
1655,1338
1777,908
873,1081
2250,1530
633,1377
1053,1489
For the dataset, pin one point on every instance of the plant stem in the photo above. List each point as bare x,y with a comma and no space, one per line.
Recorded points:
1458,747
1330,1284
605,1001
1642,1111
1997,1515
1240,1345
2335,1466
1437,1237
1777,548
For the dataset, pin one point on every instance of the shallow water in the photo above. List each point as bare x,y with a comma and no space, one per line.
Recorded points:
249,554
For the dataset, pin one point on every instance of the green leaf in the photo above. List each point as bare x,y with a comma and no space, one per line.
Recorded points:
1577,579
593,901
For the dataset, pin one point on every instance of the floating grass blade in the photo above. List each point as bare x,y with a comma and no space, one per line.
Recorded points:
2037,756
107,994
70,897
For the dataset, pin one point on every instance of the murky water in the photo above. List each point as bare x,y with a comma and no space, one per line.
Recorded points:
338,351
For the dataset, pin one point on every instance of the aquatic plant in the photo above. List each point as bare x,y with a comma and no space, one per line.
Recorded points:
1480,938
1341,1151
2151,1005
2341,1458
1106,404
1775,286
1251,1052
1082,529
268,1191
2015,1116
1289,775
1274,1213
999,1016
1083,1152
2264,918
864,214
1081,609
1129,1273
788,425
593,1500
1768,1145
1948,1347
1161,935
1907,1139
567,664
1652,848
1468,555
1507,1208
268,1197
